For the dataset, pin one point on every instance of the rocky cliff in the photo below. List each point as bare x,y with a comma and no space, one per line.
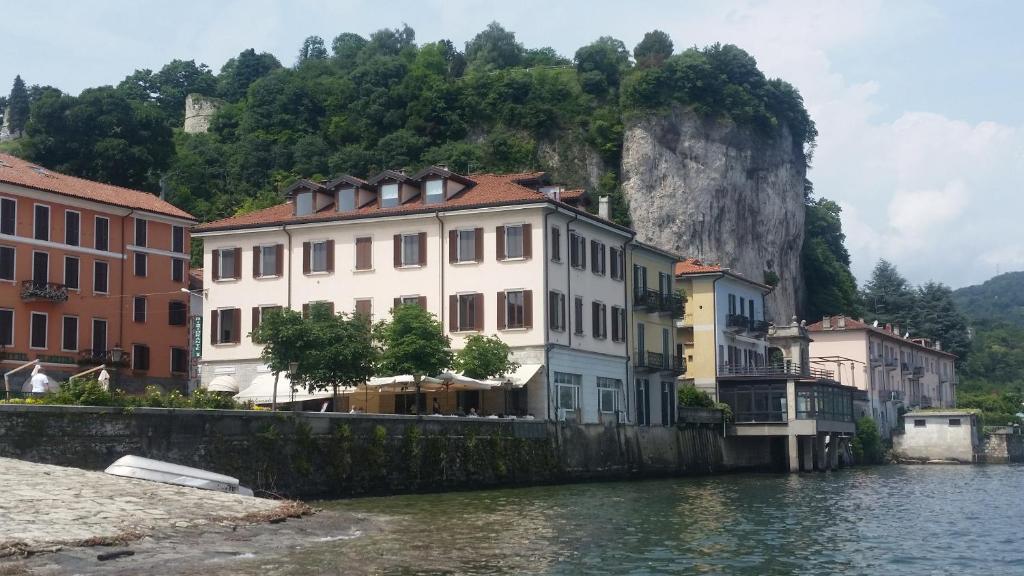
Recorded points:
710,189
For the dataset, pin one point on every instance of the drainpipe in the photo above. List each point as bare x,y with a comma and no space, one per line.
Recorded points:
124,268
547,321
441,266
288,269
714,351
629,314
570,301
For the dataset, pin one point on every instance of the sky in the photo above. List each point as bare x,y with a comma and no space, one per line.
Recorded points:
917,103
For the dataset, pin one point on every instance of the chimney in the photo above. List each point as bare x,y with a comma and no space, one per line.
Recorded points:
842,322
888,328
826,322
602,208
938,346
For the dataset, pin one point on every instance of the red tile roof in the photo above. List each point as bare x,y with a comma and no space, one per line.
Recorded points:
854,324
696,266
488,190
14,170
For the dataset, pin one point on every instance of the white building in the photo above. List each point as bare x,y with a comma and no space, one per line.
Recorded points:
949,435
494,254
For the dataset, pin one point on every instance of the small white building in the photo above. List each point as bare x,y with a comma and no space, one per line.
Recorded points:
946,435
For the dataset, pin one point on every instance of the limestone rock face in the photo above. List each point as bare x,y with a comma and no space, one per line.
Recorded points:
710,189
199,111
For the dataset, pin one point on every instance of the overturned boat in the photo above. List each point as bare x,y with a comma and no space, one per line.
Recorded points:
159,471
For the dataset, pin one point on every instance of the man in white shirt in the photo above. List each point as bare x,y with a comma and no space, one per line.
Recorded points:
40,381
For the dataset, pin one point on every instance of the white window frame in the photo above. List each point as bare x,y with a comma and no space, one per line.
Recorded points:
106,334
220,264
145,232
574,383
605,386
170,361
220,324
175,262
31,330
106,275
174,229
49,221
34,252
14,264
15,200
429,198
96,237
522,242
63,332
78,239
263,260
355,199
145,309
459,327
404,237
522,293
460,258
558,312
409,299
312,256
13,324
385,198
145,264
78,280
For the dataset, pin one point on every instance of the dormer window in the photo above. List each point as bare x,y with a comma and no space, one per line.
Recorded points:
389,195
346,199
303,203
434,191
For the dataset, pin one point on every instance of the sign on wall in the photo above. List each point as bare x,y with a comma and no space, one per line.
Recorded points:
197,336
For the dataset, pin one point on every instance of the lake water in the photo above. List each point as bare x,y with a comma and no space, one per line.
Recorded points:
884,520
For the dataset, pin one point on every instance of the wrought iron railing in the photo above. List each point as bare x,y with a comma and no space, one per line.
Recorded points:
97,357
737,322
671,304
780,370
32,290
646,298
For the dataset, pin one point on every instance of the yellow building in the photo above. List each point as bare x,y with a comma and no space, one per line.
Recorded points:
654,305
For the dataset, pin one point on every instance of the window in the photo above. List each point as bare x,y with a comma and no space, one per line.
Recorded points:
318,257
102,233
668,403
577,315
411,250
258,313
176,313
954,421
618,324
415,300
6,327
568,390
639,279
515,309
556,308
732,303
435,191
617,263
346,199
514,242
919,423
37,329
71,272
141,264
597,257
577,251
467,244
665,287
364,253
303,203
6,263
178,239
139,309
267,262
608,394
599,320
40,267
141,232
140,357
99,337
179,360
8,216
99,277
72,228
556,244
226,326
364,307
470,312
321,307
225,264
69,334
643,402
41,224
388,195
177,270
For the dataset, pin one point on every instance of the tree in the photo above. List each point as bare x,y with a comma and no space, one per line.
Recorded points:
937,317
493,49
312,49
867,443
485,358
600,65
239,72
285,340
888,297
346,46
413,342
654,49
18,103
340,351
831,287
178,79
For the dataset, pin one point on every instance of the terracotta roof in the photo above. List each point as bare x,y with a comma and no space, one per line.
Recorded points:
14,170
854,324
696,266
487,190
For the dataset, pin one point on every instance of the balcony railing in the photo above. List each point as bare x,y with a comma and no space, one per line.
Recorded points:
97,357
892,363
50,291
737,322
659,362
775,370
671,304
646,299
918,371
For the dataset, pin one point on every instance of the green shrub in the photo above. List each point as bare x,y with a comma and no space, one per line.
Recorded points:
867,444
691,397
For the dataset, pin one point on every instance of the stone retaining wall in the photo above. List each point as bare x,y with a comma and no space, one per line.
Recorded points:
1002,447
307,454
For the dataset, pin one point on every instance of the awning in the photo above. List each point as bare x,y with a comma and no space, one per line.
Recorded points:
223,384
261,391
456,381
522,376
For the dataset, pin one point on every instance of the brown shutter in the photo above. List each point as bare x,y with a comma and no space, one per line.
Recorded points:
478,239
255,318
561,307
305,310
453,245
528,309
236,318
216,264
501,311
453,313
364,259
478,320
238,263
330,255
527,241
305,257
255,261
422,301
279,250
213,326
423,249
398,250
398,302
499,242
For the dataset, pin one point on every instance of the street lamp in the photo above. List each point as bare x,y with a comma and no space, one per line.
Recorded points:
116,354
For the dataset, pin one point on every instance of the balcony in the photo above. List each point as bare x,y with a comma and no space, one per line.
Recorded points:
876,360
671,304
32,291
918,371
737,323
678,365
97,357
774,371
759,328
646,299
891,363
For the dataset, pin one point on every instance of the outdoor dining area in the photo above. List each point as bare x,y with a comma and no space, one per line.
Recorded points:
446,394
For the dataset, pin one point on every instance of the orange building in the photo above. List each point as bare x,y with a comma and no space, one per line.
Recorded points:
92,273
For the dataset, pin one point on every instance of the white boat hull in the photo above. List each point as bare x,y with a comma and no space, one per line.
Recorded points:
168,473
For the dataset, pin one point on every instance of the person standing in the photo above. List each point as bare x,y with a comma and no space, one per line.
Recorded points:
40,381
